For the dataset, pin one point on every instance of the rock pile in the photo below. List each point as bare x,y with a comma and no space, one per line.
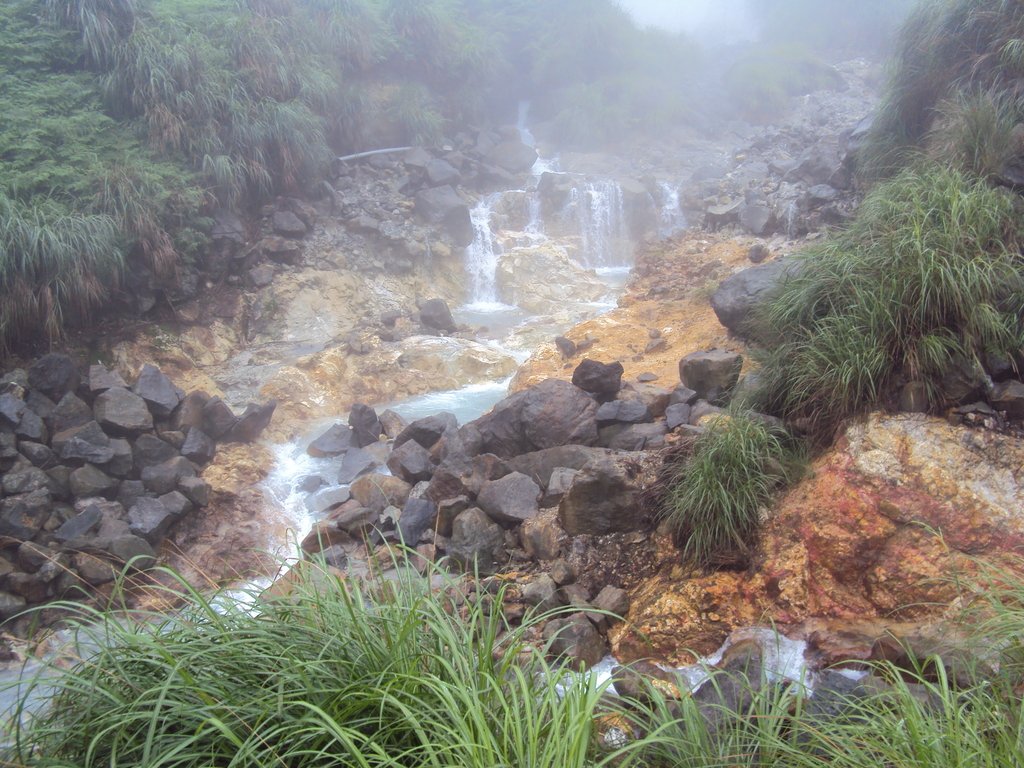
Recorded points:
94,473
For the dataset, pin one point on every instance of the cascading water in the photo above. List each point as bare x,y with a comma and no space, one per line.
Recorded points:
670,218
482,255
599,209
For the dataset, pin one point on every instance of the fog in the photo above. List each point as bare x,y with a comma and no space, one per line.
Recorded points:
725,21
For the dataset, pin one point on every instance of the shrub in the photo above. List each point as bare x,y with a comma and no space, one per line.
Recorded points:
928,279
714,502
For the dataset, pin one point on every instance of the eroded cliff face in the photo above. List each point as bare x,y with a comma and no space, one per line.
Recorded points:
888,525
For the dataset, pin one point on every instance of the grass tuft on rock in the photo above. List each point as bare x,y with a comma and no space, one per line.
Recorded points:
925,283
714,502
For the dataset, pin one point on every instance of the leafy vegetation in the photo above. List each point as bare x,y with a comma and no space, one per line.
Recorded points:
715,500
764,79
928,280
958,72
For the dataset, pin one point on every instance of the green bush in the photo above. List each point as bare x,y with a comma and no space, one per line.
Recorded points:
714,500
929,279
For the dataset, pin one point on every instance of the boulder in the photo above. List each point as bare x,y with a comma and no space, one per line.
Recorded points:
24,478
543,279
392,423
411,462
70,411
546,415
134,550
604,497
676,415
287,224
11,409
251,423
195,490
576,640
123,463
40,455
100,379
366,427
1008,396
31,427
157,390
122,412
541,465
603,380
218,418
443,206
434,313
739,295
88,481
428,430
150,519
712,374
623,412
513,156
164,478
418,516
282,250
542,593
510,500
477,542
198,447
334,442
54,375
149,450
634,437
441,172
81,525
357,462
327,499
377,492
86,443
23,517
189,412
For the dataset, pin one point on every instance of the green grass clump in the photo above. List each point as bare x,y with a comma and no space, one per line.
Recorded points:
714,502
331,674
947,53
929,279
764,80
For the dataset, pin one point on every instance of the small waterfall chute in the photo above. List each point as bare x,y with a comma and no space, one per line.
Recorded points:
670,217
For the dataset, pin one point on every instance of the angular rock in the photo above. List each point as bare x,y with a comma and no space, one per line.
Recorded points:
23,517
366,427
712,374
163,478
189,412
477,543
324,501
100,379
549,414
151,520
1008,396
157,390
510,500
86,443
377,492
434,313
218,418
739,295
195,490
392,423
559,483
440,172
68,413
40,455
130,492
150,450
11,605
251,423
88,481
81,525
356,463
176,503
418,516
133,550
634,437
54,375
542,593
443,206
513,156
603,380
24,478
31,427
603,498
334,442
623,412
677,415
428,430
576,640
198,447
448,510
411,462
122,412
287,224
11,410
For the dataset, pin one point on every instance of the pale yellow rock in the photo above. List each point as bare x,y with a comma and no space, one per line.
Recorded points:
542,279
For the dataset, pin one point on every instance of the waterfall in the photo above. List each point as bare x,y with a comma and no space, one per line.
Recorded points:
482,255
601,216
670,218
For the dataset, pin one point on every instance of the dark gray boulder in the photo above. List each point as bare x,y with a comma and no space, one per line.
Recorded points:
334,442
428,430
603,380
198,446
510,500
85,443
218,418
1008,396
634,437
157,390
366,427
23,517
251,423
150,519
356,463
40,455
434,313
287,224
195,490
122,412
164,478
712,374
513,156
69,412
411,462
149,450
623,412
604,497
24,478
443,206
441,172
740,295
88,481
100,379
477,542
576,640
54,375
11,409
418,516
